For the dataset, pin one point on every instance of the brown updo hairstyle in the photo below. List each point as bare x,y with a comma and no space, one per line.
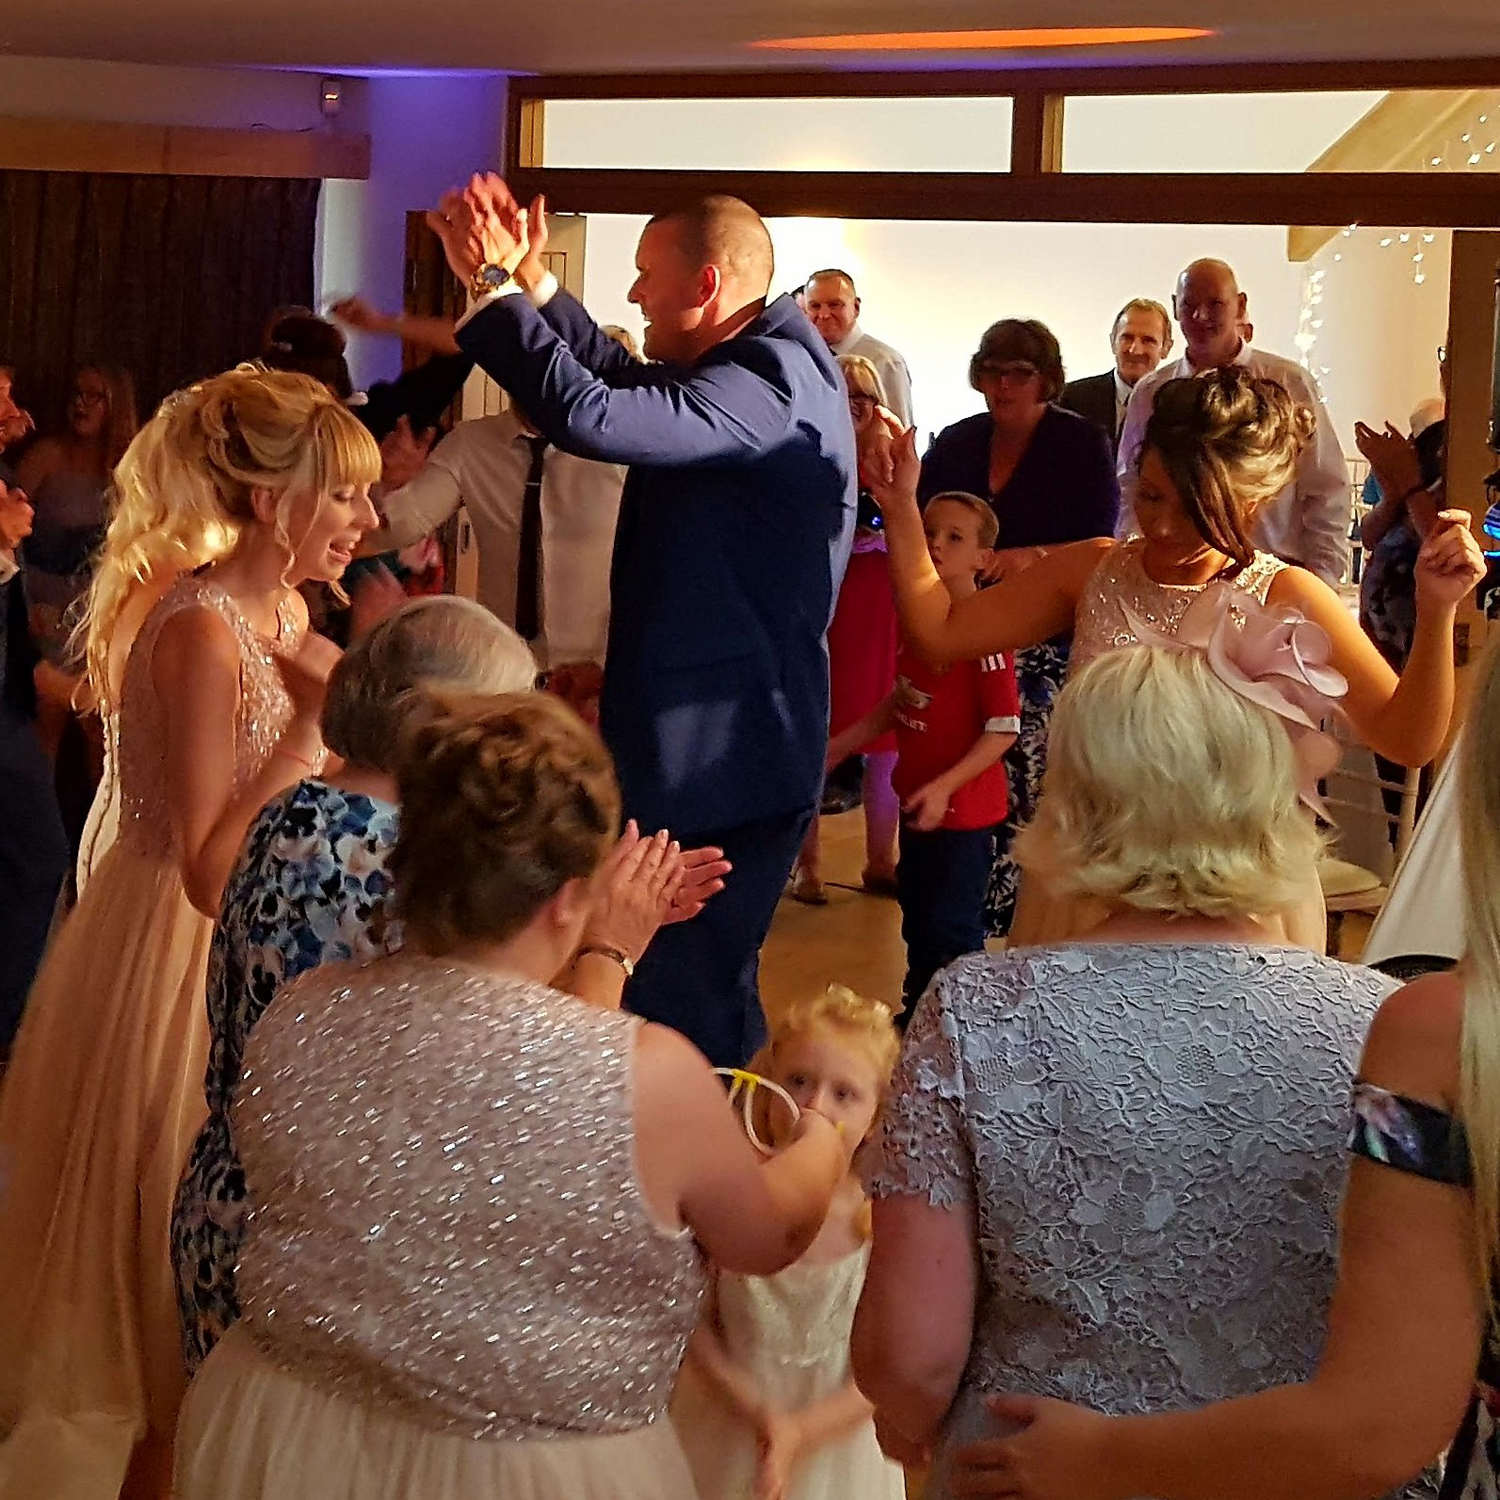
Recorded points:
504,799
1021,339
1229,441
300,341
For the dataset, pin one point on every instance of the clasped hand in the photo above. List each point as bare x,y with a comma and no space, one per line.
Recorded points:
483,224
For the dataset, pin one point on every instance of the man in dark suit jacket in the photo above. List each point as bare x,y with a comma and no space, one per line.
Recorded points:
734,530
1140,339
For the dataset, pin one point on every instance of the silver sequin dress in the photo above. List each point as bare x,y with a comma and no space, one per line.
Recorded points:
452,1286
1149,1143
102,1099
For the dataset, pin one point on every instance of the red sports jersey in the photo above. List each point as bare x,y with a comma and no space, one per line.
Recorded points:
940,712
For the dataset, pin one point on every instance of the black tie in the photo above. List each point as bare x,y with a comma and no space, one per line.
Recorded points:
529,561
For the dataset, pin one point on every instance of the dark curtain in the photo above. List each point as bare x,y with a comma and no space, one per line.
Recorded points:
171,277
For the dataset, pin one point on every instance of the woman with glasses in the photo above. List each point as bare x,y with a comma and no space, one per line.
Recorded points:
1050,478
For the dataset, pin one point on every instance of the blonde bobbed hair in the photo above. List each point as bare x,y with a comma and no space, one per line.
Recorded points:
1479,1074
181,495
1167,792
862,375
438,645
1230,442
503,801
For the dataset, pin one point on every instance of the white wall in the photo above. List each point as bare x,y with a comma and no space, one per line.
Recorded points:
931,289
427,134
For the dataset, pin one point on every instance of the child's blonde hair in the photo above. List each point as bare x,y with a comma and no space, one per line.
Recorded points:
181,494
868,1024
982,511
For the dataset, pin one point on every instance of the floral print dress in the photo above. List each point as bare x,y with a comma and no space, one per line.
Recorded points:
310,889
1414,1137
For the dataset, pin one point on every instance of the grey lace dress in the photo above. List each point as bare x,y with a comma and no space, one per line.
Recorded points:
1149,1139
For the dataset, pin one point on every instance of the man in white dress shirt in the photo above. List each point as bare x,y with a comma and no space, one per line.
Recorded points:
1308,523
832,304
544,525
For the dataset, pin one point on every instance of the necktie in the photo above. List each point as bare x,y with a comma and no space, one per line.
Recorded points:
529,560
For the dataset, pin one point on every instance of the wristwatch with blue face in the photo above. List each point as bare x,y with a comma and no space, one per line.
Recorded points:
488,278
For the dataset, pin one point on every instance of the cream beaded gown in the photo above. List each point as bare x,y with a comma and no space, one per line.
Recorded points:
452,1287
102,1098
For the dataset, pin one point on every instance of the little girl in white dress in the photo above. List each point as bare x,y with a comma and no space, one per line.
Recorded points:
766,1406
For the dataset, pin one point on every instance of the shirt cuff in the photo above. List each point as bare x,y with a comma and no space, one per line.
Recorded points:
1005,725
544,291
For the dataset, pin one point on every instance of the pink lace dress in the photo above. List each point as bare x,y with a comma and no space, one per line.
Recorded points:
102,1099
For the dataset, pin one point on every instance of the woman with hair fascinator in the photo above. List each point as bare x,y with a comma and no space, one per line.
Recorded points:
1217,447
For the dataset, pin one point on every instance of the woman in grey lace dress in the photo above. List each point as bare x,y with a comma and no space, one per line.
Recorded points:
1111,1169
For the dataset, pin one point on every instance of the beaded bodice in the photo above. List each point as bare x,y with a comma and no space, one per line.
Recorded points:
445,1216
140,736
1121,582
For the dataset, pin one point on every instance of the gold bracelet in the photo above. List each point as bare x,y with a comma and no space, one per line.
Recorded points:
615,955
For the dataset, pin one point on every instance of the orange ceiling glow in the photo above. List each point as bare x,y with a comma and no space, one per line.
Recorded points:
985,41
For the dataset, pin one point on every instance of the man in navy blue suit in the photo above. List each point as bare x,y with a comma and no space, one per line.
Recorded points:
734,529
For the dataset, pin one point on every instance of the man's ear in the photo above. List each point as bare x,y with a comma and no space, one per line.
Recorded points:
710,284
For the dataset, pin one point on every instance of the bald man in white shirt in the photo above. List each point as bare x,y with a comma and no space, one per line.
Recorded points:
831,302
1308,522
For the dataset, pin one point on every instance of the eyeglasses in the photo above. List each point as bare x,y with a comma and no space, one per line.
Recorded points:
1012,372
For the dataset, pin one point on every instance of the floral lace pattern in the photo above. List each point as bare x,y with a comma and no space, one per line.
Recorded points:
1414,1137
1150,1140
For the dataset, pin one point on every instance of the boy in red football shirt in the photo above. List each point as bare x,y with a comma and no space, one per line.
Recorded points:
953,726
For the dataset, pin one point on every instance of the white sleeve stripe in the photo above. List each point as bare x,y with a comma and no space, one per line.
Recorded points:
1011,725
992,663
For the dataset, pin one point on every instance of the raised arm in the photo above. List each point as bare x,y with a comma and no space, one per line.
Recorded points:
1030,607
718,412
750,1214
1405,719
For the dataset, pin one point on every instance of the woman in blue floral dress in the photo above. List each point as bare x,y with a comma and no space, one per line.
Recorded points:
310,888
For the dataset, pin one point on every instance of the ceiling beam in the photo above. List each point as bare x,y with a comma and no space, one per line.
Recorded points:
42,145
1453,200
1187,78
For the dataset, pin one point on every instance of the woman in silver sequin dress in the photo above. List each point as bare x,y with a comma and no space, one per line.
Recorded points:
216,707
480,1205
1217,447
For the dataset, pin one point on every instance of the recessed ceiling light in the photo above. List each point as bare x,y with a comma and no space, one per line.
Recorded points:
985,41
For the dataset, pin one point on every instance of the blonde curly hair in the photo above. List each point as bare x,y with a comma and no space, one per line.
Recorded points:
1229,441
1167,792
504,799
869,1024
181,494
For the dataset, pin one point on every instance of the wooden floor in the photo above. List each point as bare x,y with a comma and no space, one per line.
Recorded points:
856,938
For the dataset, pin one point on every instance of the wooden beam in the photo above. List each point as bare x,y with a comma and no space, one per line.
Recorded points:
37,145
1454,200
525,132
1036,135
1333,75
1393,136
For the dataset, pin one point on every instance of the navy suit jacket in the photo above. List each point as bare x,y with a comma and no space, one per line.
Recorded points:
1094,397
735,527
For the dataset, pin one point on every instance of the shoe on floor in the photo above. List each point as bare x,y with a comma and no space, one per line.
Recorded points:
878,883
808,889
